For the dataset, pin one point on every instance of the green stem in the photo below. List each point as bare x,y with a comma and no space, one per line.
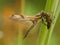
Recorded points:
53,8
45,34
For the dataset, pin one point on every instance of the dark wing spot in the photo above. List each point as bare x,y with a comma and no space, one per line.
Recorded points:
12,15
22,16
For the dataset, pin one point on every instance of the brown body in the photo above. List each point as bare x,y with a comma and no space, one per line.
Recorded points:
40,16
46,16
34,19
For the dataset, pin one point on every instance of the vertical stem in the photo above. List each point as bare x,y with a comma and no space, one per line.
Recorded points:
52,6
22,6
45,34
20,36
19,9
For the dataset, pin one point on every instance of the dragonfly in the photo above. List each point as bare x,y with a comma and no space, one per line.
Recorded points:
34,19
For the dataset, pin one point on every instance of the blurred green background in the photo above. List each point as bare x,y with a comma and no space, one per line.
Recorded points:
31,7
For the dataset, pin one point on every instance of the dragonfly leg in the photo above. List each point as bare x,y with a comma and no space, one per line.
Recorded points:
44,22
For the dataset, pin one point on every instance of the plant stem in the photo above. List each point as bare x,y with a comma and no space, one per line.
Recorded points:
45,34
53,8
20,36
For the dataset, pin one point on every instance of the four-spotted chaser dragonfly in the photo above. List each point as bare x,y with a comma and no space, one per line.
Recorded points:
34,19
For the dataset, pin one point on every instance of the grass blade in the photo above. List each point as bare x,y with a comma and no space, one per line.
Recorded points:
55,12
